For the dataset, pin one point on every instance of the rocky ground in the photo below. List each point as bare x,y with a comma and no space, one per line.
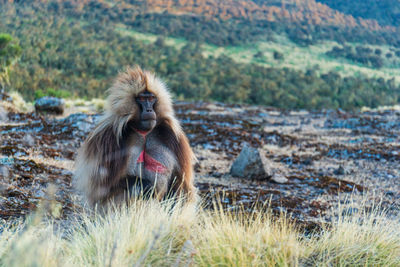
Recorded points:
328,158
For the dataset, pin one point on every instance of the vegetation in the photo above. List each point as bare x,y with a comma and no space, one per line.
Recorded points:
202,29
232,23
363,55
9,51
278,55
239,31
149,233
82,56
386,12
52,92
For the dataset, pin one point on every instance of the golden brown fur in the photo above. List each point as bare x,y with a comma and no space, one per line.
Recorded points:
102,159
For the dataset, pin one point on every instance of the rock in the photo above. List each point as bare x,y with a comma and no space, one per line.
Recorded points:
390,193
28,140
307,161
339,171
3,115
279,178
250,164
48,104
84,126
197,166
81,123
4,173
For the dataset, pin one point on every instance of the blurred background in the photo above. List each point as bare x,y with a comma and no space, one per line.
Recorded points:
290,54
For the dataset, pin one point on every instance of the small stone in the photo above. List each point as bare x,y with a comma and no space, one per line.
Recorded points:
4,173
217,174
339,171
250,164
389,193
279,178
51,105
197,166
307,161
28,140
3,115
84,126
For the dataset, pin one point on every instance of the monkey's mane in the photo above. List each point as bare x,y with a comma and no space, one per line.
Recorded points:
121,105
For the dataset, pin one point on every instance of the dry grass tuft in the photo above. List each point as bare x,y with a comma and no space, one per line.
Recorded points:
366,239
152,234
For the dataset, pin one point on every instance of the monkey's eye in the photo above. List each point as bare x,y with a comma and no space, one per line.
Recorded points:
141,98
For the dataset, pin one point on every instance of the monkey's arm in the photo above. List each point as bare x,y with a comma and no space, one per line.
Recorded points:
178,143
185,172
102,161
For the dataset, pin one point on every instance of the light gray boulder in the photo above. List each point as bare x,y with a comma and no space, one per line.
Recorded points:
251,164
48,104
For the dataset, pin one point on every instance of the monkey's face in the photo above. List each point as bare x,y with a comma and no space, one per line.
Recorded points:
146,101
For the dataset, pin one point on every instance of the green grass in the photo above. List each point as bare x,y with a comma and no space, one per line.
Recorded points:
295,56
301,58
152,234
148,38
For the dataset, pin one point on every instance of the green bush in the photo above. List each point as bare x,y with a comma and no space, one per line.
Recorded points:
52,92
9,52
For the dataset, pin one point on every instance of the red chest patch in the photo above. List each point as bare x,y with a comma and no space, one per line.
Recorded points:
151,164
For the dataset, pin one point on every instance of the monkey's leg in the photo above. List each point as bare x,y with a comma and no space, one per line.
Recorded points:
138,187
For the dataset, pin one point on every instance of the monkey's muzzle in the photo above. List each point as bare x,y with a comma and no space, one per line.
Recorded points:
148,121
148,116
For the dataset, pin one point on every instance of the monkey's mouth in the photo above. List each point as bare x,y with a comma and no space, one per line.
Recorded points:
148,117
147,125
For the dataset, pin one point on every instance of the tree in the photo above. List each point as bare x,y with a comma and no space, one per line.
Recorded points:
9,53
278,55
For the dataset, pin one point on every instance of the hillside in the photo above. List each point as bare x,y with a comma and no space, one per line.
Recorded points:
77,47
225,22
308,11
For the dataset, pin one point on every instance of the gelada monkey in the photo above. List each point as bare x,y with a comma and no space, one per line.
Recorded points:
138,147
